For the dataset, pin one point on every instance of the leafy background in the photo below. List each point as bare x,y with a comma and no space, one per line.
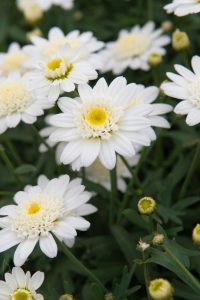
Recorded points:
165,172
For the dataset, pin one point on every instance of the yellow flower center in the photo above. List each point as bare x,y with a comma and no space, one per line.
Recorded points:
198,225
13,61
146,205
130,45
58,69
55,64
22,294
14,97
97,116
34,208
155,287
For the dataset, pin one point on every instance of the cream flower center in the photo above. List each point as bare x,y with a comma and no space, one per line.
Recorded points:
14,97
13,61
37,216
97,119
58,69
22,294
194,92
130,45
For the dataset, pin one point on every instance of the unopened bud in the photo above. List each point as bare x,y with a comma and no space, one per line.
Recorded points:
66,297
158,239
109,296
146,205
167,25
155,59
160,289
33,13
196,235
180,40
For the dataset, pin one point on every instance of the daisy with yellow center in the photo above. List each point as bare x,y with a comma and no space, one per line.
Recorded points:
85,41
186,88
61,72
13,60
100,124
21,286
183,8
53,206
133,48
19,101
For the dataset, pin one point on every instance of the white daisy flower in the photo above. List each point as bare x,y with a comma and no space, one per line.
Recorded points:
19,101
66,4
100,124
99,174
33,9
21,286
148,95
186,87
183,7
13,60
62,72
52,207
133,48
85,41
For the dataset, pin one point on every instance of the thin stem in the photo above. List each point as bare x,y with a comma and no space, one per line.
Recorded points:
113,194
42,140
12,149
80,265
186,271
190,172
146,275
10,166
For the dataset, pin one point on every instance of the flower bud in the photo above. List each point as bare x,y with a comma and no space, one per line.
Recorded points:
109,296
196,235
167,25
146,205
34,32
33,13
158,239
160,289
142,246
155,59
66,297
180,40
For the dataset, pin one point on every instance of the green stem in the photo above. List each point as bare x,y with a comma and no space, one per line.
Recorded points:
187,273
146,275
42,140
80,265
10,166
190,172
185,58
12,149
113,194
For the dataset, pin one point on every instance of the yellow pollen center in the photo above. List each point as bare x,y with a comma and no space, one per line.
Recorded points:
34,208
146,204
54,64
156,286
96,116
13,61
197,229
22,294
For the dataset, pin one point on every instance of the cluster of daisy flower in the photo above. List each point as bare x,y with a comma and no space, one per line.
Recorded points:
98,126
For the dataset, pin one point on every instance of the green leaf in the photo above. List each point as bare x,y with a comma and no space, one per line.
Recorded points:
25,169
135,218
97,292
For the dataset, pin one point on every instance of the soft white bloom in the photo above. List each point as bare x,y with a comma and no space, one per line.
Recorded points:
186,87
99,174
85,41
12,60
100,124
147,95
66,4
61,72
19,101
183,7
52,207
133,48
33,9
142,245
21,286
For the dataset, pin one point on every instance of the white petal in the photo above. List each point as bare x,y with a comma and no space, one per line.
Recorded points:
36,280
48,246
24,249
